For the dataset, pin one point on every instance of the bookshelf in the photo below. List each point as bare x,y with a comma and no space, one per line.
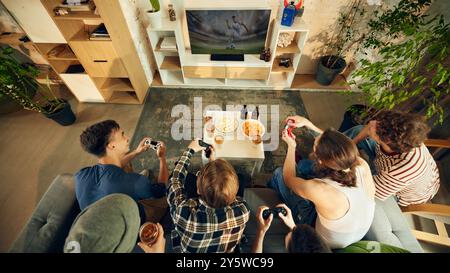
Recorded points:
101,73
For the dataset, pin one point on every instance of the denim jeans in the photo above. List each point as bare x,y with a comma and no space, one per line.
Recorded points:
368,145
303,210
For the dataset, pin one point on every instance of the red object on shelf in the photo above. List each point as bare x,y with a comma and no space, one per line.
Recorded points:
298,6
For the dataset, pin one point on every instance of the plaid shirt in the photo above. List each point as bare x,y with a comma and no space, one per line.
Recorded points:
200,228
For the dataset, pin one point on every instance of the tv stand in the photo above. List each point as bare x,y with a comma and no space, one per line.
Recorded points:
227,57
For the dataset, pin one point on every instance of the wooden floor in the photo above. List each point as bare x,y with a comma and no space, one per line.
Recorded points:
34,149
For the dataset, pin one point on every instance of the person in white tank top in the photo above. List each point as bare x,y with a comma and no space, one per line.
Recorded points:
343,192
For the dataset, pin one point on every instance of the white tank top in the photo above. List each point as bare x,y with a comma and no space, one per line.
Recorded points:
351,227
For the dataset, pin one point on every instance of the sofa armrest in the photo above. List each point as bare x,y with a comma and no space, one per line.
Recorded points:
50,222
390,227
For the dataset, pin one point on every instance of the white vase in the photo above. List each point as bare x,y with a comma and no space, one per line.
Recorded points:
155,19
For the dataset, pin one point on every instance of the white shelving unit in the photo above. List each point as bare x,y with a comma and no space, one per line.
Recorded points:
181,67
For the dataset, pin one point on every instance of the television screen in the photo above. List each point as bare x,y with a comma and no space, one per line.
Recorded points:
227,31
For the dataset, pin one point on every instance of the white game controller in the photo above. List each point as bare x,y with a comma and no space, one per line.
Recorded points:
153,144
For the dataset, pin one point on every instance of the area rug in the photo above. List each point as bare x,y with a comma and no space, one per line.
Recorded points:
163,107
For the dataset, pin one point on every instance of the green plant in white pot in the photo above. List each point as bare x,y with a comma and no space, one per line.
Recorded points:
154,15
16,81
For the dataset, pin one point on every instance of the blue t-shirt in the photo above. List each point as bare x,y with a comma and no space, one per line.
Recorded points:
98,181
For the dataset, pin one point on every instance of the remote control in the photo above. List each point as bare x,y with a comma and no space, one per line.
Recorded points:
289,126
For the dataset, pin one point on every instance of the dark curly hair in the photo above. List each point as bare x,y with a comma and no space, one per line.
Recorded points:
96,137
401,131
305,239
338,155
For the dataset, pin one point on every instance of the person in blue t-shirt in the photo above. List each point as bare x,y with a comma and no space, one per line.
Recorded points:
113,173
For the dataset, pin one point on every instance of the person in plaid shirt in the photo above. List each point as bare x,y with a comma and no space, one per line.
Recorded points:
214,221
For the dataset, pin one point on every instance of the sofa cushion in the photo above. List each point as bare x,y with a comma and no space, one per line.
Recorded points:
50,222
110,225
390,227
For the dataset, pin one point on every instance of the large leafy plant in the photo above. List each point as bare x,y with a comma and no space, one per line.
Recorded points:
16,81
412,61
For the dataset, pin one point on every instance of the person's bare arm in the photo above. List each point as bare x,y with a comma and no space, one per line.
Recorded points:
304,122
163,176
131,155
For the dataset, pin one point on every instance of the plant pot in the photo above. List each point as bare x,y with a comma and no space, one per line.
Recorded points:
325,75
64,116
155,19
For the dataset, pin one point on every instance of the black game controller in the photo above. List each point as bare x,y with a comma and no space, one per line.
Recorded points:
207,146
153,144
266,213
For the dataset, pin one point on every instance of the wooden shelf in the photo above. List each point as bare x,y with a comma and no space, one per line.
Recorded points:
159,49
121,97
65,55
277,68
77,15
12,39
113,84
171,63
61,66
290,49
308,81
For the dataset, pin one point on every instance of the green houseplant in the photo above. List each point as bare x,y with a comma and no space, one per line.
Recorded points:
349,32
16,81
412,66
154,15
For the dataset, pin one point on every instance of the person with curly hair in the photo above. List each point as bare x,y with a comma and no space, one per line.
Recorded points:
400,162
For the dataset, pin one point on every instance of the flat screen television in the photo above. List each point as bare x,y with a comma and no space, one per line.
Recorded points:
227,31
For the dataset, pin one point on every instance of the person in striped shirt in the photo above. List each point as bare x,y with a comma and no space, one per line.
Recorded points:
400,162
215,219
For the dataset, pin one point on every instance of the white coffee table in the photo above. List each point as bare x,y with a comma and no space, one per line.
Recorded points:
236,146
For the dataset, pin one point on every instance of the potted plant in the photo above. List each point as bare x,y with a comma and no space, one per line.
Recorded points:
410,69
347,35
154,15
16,81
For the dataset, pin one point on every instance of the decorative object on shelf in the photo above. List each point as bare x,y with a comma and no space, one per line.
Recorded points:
290,11
169,43
300,11
286,62
285,39
265,55
172,15
60,11
154,15
54,52
19,79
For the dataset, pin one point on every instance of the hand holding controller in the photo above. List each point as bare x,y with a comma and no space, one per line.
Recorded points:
290,125
266,213
153,144
207,146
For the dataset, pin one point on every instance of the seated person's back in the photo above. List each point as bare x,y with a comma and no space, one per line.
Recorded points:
213,222
108,142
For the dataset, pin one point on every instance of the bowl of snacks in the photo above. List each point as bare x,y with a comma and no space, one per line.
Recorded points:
226,124
253,129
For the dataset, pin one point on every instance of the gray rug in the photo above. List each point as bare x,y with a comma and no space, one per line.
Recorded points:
156,120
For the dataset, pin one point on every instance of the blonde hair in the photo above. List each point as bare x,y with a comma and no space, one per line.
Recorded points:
218,183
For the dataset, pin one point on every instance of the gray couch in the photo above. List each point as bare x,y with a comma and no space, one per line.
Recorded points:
50,222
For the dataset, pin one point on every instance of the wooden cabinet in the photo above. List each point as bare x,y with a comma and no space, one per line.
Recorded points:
249,73
204,72
99,58
86,90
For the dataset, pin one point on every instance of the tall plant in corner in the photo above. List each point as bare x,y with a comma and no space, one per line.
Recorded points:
412,65
16,79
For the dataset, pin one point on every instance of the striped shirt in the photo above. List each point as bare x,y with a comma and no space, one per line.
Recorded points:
200,228
412,176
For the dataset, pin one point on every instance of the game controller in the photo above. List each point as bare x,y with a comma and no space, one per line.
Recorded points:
207,146
152,143
290,125
266,213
